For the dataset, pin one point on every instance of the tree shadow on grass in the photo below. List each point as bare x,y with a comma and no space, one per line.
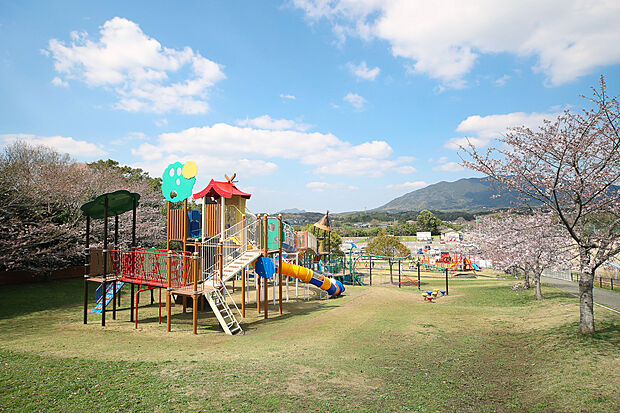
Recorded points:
21,299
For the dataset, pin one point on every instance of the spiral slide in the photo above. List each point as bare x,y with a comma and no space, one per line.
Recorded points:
307,275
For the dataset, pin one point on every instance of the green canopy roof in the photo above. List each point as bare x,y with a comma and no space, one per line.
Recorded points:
119,202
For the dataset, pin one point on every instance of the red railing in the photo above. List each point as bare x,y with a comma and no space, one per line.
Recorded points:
150,267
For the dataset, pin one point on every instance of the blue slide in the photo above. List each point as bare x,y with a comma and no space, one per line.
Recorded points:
108,295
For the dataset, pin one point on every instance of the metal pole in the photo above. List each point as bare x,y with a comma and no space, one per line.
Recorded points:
418,275
399,273
446,281
87,270
370,268
105,260
133,248
391,276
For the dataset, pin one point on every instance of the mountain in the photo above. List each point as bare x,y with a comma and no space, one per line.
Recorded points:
468,194
292,211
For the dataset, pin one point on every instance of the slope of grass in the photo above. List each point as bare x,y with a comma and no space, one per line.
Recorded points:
483,348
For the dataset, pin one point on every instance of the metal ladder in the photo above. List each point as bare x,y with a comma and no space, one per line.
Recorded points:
222,311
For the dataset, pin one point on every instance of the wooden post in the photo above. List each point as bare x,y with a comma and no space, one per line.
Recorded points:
168,228
195,296
243,275
87,270
105,260
185,229
419,276
169,290
280,262
446,281
221,260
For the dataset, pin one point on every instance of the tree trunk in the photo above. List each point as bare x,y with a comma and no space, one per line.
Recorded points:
526,280
586,303
539,295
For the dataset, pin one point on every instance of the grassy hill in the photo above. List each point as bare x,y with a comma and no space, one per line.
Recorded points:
468,194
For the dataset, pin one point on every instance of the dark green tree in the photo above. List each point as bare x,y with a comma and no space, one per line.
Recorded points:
428,222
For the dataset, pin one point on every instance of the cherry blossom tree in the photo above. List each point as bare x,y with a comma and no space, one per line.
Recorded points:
41,191
530,241
570,165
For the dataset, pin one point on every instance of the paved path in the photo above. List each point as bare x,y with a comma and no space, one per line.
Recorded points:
603,298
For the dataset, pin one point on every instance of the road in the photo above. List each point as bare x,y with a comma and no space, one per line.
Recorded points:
602,297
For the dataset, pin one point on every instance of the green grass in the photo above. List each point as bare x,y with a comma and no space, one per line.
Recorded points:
483,348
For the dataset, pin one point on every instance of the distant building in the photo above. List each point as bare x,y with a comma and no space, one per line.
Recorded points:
450,236
424,236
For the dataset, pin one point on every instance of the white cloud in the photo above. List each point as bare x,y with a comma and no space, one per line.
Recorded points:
408,185
482,129
267,122
59,82
363,72
144,75
318,186
62,144
325,153
499,82
405,169
449,167
443,39
289,97
355,100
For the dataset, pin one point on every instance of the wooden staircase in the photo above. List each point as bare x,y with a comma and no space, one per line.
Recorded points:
239,263
223,312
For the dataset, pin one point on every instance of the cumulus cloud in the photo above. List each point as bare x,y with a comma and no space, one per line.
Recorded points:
144,75
288,97
319,186
59,82
323,152
267,122
408,185
480,130
443,39
357,101
449,167
363,72
74,147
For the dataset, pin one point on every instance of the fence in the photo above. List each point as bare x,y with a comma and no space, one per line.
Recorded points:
600,279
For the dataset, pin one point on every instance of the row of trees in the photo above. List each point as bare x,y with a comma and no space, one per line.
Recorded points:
41,191
425,221
570,166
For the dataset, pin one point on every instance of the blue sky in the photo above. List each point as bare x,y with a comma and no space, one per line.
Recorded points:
315,104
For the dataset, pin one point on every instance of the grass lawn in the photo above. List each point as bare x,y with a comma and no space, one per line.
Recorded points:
483,348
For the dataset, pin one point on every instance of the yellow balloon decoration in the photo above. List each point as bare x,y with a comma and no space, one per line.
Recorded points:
190,169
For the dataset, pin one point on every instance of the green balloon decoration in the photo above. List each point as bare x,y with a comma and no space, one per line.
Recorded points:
178,181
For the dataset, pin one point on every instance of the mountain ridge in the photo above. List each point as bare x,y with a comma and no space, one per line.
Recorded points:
466,194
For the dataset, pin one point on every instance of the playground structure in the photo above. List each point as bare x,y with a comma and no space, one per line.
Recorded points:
370,269
219,245
456,263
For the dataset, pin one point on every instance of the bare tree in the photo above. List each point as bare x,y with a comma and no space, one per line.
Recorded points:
571,166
